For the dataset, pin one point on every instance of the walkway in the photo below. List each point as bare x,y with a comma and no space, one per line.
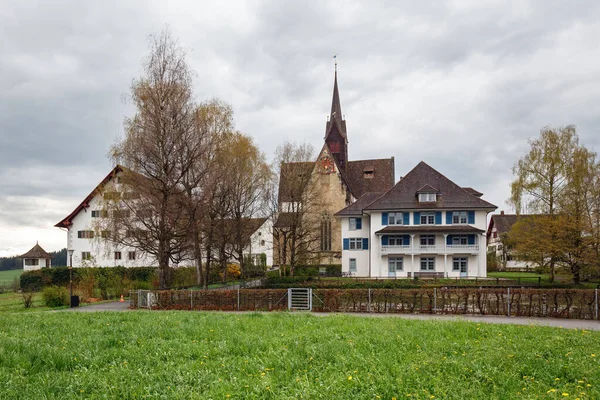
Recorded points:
486,319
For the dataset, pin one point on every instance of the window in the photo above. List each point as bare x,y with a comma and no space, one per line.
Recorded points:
459,264
86,255
395,264
494,234
368,174
131,255
32,261
352,224
99,213
262,243
395,240
105,234
85,234
427,197
355,243
326,233
459,240
395,218
334,147
459,217
428,264
427,240
117,255
428,218
353,265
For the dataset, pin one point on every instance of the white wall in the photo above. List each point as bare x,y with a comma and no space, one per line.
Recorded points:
261,241
41,264
361,256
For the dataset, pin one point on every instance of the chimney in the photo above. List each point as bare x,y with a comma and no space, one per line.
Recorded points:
502,212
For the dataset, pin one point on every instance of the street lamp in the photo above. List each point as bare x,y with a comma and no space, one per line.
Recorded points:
71,251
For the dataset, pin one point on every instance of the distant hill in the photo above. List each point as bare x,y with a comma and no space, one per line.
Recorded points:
59,259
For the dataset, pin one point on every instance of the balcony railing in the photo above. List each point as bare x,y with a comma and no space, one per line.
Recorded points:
435,249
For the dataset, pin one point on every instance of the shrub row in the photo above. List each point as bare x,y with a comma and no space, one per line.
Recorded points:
311,270
557,303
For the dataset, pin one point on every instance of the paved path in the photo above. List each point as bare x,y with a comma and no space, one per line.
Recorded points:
487,319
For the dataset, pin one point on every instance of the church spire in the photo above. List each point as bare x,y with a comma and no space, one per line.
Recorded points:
335,131
336,107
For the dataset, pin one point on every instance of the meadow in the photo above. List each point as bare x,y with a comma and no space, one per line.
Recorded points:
181,354
8,277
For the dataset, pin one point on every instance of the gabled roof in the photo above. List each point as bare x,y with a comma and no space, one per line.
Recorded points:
364,176
66,222
357,207
450,195
473,191
36,252
249,226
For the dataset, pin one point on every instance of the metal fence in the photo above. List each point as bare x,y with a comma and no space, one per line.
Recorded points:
556,303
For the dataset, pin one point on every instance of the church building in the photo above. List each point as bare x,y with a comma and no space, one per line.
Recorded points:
324,186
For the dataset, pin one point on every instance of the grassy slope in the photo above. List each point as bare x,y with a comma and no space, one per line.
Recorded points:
13,302
279,356
7,277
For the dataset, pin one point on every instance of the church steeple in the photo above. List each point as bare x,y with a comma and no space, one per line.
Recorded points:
335,130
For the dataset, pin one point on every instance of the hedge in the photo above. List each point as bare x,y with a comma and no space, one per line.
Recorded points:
541,303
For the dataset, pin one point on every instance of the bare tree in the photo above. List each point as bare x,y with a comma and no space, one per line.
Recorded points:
151,215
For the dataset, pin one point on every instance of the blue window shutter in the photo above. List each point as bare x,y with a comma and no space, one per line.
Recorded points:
438,217
384,240
406,240
471,219
384,218
471,239
448,217
365,243
406,218
346,243
358,223
417,218
449,240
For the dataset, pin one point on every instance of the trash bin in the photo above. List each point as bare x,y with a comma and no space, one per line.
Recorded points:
74,301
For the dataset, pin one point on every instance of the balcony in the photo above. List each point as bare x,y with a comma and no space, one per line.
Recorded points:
435,249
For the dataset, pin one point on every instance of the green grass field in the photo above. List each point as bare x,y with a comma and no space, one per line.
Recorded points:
194,355
7,277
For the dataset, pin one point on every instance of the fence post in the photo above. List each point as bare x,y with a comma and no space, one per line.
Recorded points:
191,300
539,280
596,296
238,303
369,305
434,300
508,301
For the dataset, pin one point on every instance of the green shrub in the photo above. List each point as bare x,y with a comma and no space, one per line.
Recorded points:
55,296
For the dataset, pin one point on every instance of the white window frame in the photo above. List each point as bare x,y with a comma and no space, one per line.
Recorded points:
427,218
427,197
118,255
30,262
427,239
459,217
350,266
457,261
395,240
395,218
131,255
460,240
355,244
398,262
86,256
429,263
352,224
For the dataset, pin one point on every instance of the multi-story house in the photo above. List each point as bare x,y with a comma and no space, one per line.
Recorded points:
93,247
426,225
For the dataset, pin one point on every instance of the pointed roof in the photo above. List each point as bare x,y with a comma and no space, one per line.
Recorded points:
36,252
335,117
404,194
66,222
357,207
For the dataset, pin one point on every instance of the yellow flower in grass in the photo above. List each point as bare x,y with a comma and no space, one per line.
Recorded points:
565,394
551,390
349,378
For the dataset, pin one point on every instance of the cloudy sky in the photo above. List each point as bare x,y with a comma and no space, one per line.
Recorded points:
461,85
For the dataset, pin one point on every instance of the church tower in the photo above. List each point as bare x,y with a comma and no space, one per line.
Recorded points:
335,130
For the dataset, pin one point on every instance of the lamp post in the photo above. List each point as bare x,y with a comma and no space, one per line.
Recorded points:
71,251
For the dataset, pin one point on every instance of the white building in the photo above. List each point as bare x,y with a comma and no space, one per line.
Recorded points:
91,250
500,225
36,258
426,225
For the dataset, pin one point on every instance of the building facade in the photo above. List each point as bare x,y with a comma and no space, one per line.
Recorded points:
497,243
426,225
93,247
36,258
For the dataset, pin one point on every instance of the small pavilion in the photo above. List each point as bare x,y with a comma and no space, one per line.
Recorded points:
36,258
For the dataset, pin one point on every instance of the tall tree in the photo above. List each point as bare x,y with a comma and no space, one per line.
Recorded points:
541,177
153,216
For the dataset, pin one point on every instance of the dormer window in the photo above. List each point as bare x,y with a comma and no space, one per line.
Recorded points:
427,197
368,172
